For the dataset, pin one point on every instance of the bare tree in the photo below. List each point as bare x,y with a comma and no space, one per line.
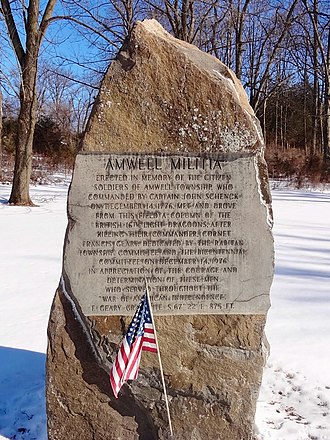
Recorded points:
27,54
0,132
64,97
185,19
240,15
104,24
267,53
321,39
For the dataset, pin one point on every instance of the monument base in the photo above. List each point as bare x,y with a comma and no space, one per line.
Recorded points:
212,368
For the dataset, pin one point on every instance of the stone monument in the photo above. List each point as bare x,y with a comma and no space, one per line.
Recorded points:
170,188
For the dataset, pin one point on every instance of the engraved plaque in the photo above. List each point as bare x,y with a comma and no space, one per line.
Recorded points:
193,227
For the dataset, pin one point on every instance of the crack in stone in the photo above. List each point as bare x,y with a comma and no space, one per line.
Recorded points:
250,299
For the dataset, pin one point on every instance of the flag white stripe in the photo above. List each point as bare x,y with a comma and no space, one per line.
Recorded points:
118,378
117,387
121,360
136,366
132,359
150,345
115,374
126,347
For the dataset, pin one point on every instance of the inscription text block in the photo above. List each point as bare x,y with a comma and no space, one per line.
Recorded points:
193,227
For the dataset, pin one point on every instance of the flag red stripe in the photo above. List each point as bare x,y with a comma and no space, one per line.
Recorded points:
118,371
115,380
135,353
136,366
153,350
127,362
113,384
124,355
149,339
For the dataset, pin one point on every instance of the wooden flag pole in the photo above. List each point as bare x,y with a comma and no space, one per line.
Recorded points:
160,363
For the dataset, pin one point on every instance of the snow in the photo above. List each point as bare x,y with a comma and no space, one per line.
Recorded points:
294,402
30,266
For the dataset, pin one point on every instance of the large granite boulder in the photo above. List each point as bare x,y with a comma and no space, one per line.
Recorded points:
161,95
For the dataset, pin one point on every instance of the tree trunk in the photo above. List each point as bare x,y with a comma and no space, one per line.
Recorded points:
264,120
25,129
239,38
326,142
28,60
305,105
322,120
23,159
281,126
276,122
0,134
326,145
315,106
315,79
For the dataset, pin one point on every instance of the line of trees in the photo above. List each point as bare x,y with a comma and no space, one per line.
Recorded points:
280,50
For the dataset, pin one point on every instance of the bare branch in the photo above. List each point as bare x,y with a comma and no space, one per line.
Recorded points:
83,24
46,18
12,30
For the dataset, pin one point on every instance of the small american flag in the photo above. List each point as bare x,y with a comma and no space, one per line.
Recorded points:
140,336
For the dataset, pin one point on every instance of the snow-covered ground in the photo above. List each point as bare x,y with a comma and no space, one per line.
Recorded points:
294,402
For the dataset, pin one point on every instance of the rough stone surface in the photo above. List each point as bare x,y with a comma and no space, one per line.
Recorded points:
160,95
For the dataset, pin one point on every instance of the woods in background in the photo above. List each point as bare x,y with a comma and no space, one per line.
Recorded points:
280,50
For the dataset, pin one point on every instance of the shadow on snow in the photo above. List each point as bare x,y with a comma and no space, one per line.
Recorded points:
309,273
22,394
299,196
